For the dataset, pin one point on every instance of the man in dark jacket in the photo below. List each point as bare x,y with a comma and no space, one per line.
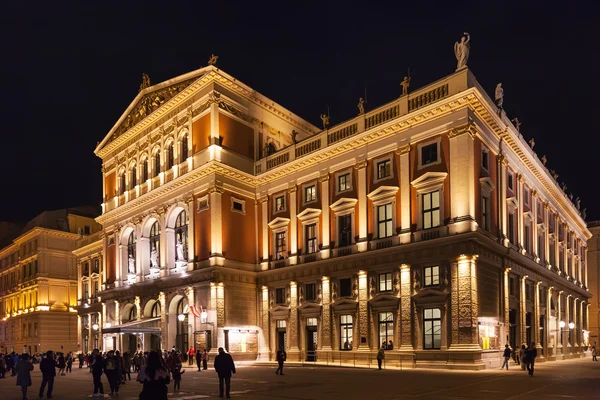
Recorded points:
281,357
97,370
48,368
530,355
224,367
112,369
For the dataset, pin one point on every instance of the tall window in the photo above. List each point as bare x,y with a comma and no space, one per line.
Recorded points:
122,183
279,203
343,182
485,159
131,241
346,332
157,163
181,339
429,154
431,209
540,249
310,292
526,196
526,238
86,291
155,245
511,227
156,311
310,193
280,296
170,155
183,150
280,245
432,329
132,177
181,237
345,230
311,238
345,287
511,181
145,170
386,327
485,214
384,169
384,220
385,282
432,276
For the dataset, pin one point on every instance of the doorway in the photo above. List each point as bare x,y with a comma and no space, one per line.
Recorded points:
311,339
281,335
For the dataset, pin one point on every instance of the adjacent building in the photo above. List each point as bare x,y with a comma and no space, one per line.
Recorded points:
38,282
427,224
594,280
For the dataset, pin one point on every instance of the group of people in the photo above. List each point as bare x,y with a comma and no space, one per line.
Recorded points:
525,356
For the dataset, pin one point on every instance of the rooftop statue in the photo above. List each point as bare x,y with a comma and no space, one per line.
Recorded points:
325,119
554,174
517,124
583,213
361,106
213,59
578,203
462,50
145,82
544,159
499,95
532,143
405,85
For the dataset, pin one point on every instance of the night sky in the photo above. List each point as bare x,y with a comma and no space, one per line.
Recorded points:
70,69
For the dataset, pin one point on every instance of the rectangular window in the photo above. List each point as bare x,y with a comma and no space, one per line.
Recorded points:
281,324
432,276
432,329
343,182
310,292
383,169
280,296
511,181
511,227
384,220
346,332
35,330
238,206
311,321
431,209
311,238
386,328
429,154
280,245
526,196
526,238
96,266
345,287
485,159
145,170
85,291
345,230
385,282
310,194
485,215
280,203
540,249
512,286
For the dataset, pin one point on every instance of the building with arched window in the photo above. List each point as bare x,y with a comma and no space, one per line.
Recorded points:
427,223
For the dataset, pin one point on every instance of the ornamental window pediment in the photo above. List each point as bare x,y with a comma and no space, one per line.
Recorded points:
487,185
279,223
512,203
383,193
429,182
309,214
343,204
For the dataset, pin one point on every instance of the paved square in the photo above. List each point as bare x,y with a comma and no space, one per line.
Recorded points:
573,379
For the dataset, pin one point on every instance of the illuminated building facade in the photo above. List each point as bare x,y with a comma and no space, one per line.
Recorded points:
427,222
38,283
594,279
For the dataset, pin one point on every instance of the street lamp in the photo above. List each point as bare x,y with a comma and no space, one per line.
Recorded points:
181,317
203,316
107,325
561,324
95,327
571,325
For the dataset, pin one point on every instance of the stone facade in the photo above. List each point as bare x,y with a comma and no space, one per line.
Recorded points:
592,310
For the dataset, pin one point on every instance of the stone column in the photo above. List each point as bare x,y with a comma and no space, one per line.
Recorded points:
216,223
520,229
575,329
361,170
523,311
534,227
265,232
293,226
506,304
163,320
547,236
191,214
293,325
325,344
547,327
536,319
560,348
465,305
405,221
214,119
363,311
566,328
406,343
191,317
325,216
462,183
264,324
217,303
502,207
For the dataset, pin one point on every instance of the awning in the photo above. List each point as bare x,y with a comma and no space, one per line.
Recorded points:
135,327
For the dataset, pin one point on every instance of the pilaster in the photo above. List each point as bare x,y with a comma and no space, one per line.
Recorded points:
363,311
462,184
163,318
502,206
293,225
264,324
326,325
405,222
191,317
293,325
406,343
523,310
465,304
361,170
265,231
325,216
191,214
520,210
216,223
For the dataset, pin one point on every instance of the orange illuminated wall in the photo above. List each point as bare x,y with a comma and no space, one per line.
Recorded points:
201,231
111,264
110,185
201,133
239,230
236,136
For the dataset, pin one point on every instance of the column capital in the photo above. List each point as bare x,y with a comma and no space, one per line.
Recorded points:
360,165
324,178
292,189
403,150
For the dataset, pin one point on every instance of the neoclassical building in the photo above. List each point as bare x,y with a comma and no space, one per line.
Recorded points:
38,282
594,283
427,223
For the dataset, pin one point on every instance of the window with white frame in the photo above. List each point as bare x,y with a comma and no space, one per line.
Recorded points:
511,181
384,220
527,237
429,154
432,329
540,249
343,182
386,328
238,205
280,245
511,227
310,193
132,177
526,196
183,149
170,155
145,170
311,238
485,213
384,169
280,203
157,163
431,276
346,330
385,282
485,159
431,209
345,230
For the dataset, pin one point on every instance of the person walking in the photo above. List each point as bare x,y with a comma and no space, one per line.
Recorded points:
176,373
2,366
199,360
530,356
281,357
155,377
80,359
522,357
97,369
224,367
61,365
507,352
24,368
126,366
69,363
205,360
48,369
380,356
191,353
594,354
112,371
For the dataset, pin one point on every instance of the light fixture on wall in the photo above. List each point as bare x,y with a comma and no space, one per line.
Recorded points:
561,324
181,317
571,325
95,327
107,325
203,316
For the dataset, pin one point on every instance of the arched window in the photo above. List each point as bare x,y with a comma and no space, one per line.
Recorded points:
182,325
145,170
170,153
122,181
133,313
155,245
156,311
181,237
184,148
157,163
132,177
131,253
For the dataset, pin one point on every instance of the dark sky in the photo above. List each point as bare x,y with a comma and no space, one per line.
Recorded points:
70,69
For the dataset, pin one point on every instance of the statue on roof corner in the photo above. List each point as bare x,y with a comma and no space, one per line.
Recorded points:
213,59
499,95
325,119
532,143
405,85
462,50
517,124
145,82
361,106
544,159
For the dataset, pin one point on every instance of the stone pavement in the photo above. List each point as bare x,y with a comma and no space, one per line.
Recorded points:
572,379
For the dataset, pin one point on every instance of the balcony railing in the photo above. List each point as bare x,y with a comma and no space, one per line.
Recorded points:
433,233
383,243
312,257
344,251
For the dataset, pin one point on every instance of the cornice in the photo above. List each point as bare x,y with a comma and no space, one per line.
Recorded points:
89,248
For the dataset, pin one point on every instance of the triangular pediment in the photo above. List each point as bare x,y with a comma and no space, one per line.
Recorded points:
430,297
309,213
279,222
343,204
383,192
429,180
487,183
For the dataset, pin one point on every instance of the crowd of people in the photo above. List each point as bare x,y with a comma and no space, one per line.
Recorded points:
525,357
155,370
